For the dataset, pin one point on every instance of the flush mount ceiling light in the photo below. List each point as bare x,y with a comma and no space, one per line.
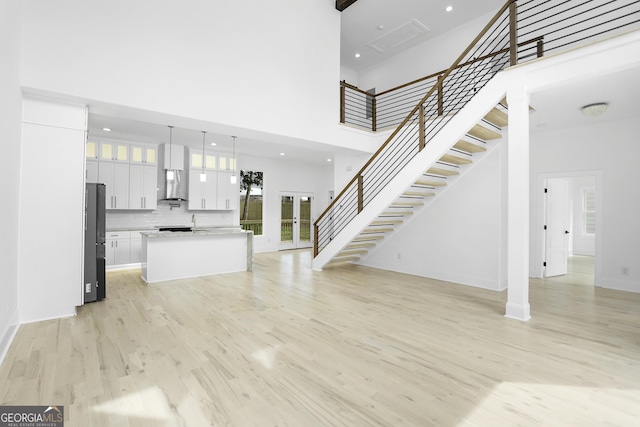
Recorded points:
593,110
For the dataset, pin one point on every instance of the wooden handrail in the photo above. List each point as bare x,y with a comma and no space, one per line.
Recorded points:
424,98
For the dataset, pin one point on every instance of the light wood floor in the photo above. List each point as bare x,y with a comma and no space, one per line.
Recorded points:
349,346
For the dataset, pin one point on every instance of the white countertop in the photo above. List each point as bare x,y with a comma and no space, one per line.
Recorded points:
198,232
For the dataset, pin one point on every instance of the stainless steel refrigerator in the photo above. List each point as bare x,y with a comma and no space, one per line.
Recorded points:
95,285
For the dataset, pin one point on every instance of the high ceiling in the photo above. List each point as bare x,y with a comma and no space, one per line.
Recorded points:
379,29
360,22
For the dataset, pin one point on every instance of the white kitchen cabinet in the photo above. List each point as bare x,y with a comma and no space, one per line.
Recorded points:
91,150
196,160
115,176
227,193
91,171
114,151
143,184
147,154
202,195
226,163
118,248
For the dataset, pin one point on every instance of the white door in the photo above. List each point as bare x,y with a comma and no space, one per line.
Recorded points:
296,222
557,224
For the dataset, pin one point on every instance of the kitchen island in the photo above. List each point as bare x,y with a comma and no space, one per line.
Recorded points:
170,255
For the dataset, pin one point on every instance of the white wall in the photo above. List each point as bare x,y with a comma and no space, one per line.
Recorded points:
458,236
51,207
283,175
582,244
613,149
269,66
436,54
10,115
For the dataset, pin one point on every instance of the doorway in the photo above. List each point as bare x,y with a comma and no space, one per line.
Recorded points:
295,220
569,239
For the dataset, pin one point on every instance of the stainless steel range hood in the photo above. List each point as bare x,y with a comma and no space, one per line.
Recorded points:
173,177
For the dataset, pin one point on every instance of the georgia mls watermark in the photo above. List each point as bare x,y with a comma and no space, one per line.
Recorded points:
31,416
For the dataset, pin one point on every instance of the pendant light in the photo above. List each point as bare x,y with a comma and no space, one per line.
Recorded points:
170,172
203,176
234,178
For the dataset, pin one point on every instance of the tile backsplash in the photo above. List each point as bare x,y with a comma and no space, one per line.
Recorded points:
165,215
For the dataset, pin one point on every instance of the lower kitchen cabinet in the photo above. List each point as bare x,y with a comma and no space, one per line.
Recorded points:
118,248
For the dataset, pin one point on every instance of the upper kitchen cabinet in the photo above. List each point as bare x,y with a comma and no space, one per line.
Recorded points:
202,194
147,154
198,161
143,184
228,193
113,151
91,150
115,176
226,163
91,171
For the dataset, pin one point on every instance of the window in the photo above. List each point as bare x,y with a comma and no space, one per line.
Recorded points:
589,211
251,201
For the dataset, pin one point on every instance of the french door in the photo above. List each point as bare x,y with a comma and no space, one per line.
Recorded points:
296,223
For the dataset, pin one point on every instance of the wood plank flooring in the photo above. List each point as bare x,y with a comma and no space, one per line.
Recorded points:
348,346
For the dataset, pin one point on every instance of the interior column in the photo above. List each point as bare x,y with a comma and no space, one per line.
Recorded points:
518,205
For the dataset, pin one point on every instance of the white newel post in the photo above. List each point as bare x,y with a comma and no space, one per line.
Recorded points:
518,205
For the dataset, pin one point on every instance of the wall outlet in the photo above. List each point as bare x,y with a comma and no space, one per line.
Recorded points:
625,271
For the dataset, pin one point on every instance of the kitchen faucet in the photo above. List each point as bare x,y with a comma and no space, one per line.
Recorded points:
193,221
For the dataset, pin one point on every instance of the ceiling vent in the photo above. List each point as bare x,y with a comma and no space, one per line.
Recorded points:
400,35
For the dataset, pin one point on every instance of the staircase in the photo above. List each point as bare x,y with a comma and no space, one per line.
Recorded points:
426,187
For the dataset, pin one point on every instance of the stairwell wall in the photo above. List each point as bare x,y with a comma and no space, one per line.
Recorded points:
459,236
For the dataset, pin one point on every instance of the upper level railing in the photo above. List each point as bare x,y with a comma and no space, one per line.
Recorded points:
420,109
543,27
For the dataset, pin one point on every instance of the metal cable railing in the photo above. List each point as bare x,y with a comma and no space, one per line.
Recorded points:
544,25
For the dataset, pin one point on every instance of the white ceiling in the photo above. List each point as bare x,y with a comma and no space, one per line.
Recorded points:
361,22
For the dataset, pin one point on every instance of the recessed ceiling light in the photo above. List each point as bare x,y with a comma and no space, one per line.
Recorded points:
449,8
381,27
596,109
213,143
282,154
357,55
106,129
328,160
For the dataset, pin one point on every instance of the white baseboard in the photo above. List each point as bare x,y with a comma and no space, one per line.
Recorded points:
8,334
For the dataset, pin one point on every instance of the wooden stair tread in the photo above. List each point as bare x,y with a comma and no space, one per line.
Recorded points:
352,252
483,133
359,245
398,203
497,117
367,237
396,213
418,193
442,172
386,221
455,160
469,147
376,230
427,183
